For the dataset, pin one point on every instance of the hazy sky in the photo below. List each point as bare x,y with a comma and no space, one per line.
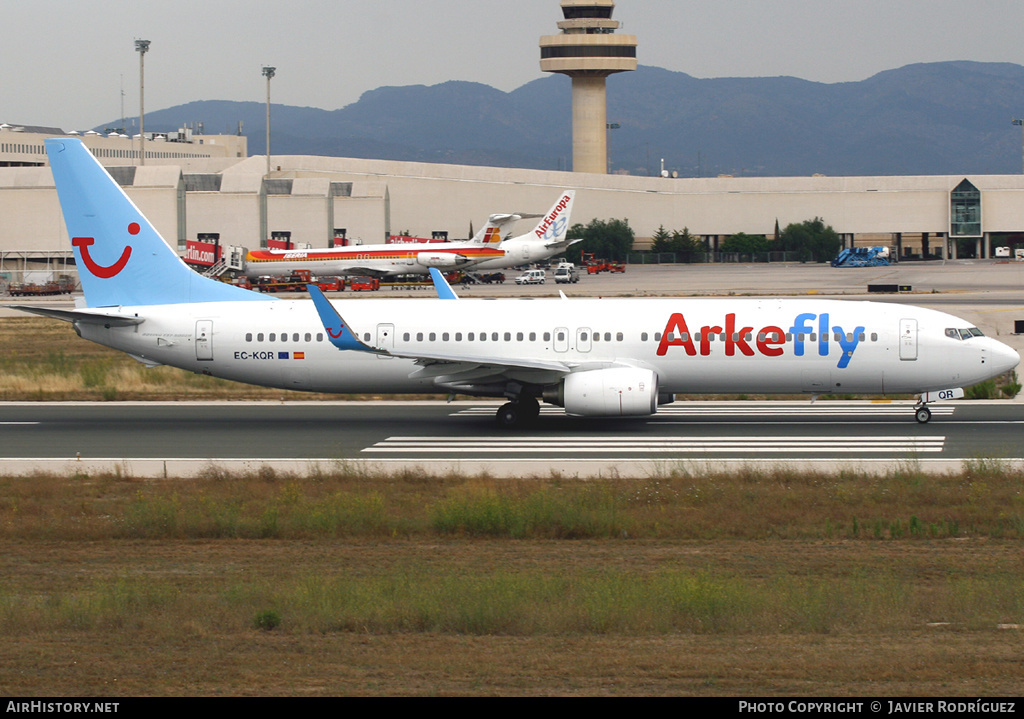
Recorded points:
64,63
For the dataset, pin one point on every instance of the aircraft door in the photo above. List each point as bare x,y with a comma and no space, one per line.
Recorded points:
908,339
583,335
204,340
385,338
561,339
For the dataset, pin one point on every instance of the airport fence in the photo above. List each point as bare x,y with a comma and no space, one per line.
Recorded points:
694,258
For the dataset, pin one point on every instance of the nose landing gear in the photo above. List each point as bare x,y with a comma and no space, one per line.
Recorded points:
922,414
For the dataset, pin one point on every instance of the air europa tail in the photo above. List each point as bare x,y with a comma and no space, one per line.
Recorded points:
121,258
554,225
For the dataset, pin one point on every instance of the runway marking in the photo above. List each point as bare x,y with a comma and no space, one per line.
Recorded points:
620,445
9,423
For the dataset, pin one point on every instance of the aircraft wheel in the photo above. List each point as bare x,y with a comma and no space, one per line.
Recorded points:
922,414
508,415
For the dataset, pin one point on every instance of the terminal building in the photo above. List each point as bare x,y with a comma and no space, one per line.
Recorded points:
209,187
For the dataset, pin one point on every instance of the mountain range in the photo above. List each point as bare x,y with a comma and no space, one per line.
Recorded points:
923,119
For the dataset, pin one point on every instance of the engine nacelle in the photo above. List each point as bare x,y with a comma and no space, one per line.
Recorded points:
614,392
440,259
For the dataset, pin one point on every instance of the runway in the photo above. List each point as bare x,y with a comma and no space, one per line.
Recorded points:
184,439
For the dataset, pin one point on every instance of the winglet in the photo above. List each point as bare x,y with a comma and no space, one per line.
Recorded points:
444,290
338,331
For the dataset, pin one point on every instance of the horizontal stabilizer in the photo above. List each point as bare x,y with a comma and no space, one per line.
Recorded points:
563,245
97,318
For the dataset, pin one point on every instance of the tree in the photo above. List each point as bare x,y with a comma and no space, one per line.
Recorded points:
683,241
677,241
610,239
811,240
747,244
661,240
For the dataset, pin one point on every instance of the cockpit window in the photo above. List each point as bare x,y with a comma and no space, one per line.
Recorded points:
963,334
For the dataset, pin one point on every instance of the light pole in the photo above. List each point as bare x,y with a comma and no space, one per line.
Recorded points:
1021,123
268,72
142,46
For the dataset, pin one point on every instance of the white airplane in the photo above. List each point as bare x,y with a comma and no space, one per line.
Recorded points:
491,248
548,239
594,357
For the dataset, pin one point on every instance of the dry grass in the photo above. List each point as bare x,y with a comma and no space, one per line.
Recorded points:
753,584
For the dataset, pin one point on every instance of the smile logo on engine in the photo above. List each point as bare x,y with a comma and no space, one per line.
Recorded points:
104,271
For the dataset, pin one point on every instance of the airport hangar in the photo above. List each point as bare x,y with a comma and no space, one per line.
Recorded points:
193,184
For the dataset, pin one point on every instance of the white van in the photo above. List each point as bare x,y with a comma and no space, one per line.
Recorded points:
566,273
531,277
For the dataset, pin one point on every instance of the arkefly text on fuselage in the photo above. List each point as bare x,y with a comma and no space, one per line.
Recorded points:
770,341
594,357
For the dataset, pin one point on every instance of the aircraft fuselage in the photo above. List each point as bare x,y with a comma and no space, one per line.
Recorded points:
693,346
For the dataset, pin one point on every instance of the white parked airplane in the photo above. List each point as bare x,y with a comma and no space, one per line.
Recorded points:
594,357
491,248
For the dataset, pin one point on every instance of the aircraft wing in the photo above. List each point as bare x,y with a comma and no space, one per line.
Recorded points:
436,364
97,317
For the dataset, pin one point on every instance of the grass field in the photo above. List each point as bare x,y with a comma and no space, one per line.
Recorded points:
754,583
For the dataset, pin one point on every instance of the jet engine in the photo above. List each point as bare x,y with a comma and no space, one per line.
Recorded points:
440,259
613,392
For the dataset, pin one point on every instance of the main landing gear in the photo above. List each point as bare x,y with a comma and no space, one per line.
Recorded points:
518,412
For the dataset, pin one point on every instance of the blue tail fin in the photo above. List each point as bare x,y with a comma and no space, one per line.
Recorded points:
122,260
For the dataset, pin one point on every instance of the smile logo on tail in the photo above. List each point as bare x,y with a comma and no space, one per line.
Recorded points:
104,272
341,331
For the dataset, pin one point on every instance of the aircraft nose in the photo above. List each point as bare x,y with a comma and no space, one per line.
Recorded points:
1004,357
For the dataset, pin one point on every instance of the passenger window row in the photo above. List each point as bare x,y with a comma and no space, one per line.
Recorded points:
584,336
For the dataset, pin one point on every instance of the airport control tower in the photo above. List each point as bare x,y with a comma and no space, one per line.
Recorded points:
588,51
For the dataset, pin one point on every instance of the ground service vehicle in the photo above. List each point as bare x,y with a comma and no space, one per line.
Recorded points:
359,284
296,282
566,274
63,285
532,277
